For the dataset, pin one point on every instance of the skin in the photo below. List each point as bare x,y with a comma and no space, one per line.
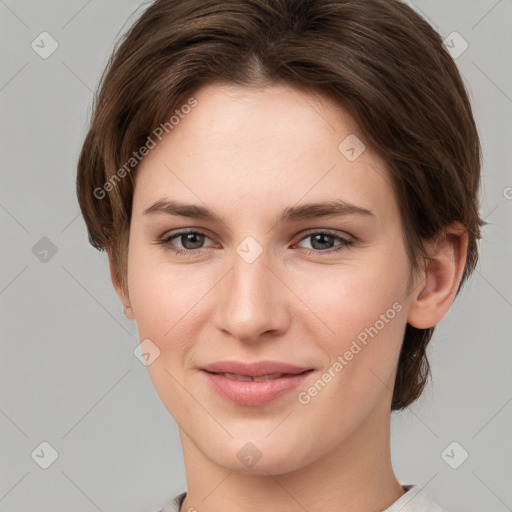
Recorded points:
247,154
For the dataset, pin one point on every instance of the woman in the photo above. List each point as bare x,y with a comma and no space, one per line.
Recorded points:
287,193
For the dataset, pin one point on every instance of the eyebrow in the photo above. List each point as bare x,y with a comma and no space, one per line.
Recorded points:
289,214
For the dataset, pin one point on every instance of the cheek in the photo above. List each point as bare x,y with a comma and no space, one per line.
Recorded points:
166,298
363,313
349,298
162,298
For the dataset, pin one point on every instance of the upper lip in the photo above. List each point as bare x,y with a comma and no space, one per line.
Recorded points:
255,369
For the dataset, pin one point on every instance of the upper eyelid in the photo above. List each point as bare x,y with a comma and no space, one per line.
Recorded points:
181,232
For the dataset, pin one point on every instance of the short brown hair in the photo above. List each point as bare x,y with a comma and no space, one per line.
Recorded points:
378,59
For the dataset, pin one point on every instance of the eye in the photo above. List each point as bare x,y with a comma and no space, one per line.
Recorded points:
191,241
322,241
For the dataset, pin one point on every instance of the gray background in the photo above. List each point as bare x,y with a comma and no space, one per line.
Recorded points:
68,373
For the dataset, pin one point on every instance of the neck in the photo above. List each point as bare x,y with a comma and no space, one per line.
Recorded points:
356,476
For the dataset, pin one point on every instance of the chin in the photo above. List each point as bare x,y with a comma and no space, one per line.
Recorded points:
261,456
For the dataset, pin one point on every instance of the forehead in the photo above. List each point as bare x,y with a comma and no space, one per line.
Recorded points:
259,146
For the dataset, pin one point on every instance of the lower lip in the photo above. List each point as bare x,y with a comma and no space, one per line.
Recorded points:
254,393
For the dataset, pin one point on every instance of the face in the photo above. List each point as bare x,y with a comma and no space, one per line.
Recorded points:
268,277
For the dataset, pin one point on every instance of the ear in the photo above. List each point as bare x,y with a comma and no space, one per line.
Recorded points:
439,282
121,291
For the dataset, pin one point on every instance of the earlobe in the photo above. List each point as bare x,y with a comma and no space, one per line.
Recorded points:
432,298
128,311
120,290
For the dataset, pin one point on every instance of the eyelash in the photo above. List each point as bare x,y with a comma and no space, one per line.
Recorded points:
166,242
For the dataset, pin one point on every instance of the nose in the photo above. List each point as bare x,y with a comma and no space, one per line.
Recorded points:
251,301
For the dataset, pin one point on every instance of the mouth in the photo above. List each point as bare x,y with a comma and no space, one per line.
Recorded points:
257,378
254,390
267,369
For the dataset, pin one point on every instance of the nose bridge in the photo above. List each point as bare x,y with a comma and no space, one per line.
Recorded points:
251,301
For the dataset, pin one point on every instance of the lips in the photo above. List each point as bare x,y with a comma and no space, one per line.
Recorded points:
254,384
257,378
269,369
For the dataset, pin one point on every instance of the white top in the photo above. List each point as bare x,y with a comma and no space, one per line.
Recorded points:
414,500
